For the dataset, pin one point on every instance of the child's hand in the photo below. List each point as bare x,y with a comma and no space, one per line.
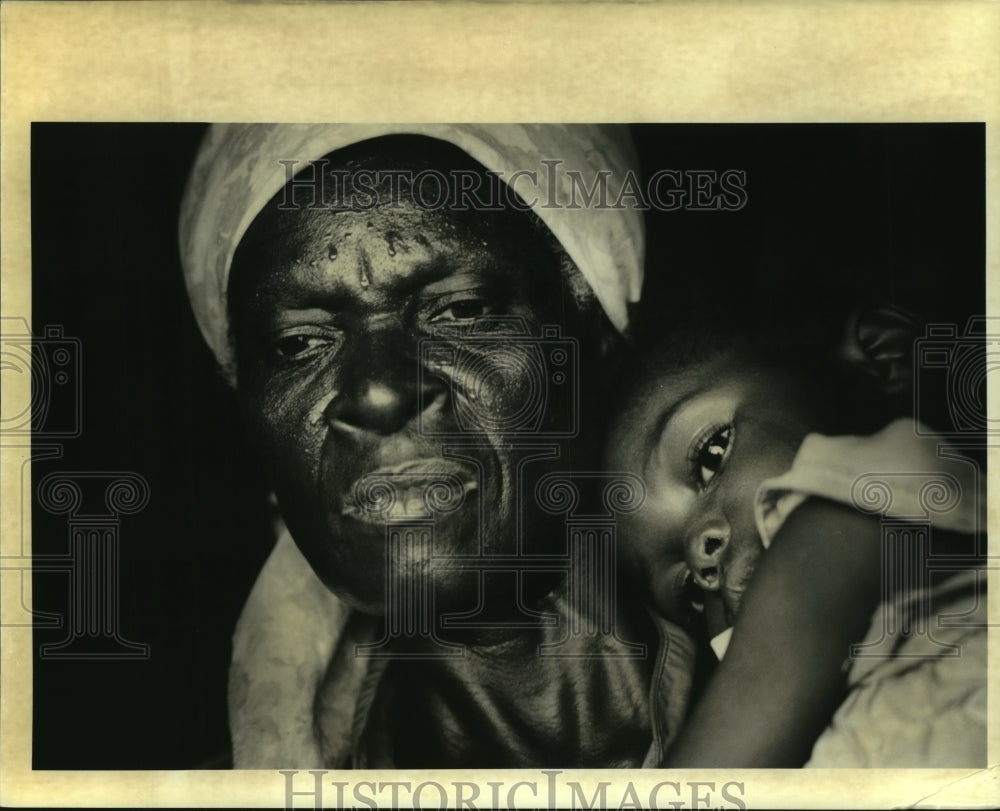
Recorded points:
781,680
721,596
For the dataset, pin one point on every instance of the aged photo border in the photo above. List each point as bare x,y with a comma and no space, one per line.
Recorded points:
670,63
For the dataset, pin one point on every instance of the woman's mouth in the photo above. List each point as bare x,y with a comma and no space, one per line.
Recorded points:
416,489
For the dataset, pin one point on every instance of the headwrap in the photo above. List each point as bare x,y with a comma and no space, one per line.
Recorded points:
237,171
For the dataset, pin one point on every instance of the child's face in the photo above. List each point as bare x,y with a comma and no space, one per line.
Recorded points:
703,439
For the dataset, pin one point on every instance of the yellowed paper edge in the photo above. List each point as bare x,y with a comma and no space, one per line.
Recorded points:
638,62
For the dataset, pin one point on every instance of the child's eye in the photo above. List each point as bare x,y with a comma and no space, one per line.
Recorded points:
710,453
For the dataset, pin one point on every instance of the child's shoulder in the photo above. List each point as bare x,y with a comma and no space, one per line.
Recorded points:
902,445
903,471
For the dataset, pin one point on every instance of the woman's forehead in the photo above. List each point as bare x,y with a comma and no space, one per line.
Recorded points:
292,234
239,168
391,232
402,189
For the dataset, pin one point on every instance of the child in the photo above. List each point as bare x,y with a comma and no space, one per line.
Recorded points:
750,445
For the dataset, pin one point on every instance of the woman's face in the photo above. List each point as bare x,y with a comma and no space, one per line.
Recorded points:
388,366
703,439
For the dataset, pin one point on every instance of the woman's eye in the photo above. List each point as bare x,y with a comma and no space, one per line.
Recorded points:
463,310
711,454
299,345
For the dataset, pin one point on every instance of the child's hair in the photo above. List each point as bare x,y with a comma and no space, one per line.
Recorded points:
799,340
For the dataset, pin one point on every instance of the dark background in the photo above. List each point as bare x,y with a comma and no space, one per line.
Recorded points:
892,212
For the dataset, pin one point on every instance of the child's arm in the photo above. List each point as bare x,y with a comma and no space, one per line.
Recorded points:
782,678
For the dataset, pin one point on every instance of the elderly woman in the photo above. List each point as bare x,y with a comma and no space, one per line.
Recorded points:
419,322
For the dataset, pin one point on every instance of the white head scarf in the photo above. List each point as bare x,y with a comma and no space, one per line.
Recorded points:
237,171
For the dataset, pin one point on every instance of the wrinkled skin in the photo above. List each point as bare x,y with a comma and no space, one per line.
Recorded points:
329,309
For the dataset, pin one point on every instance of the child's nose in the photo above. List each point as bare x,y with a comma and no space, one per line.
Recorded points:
704,552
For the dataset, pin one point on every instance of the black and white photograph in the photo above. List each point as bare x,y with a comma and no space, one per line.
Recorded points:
616,453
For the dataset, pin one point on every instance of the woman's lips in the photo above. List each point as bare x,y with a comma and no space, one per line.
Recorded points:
417,488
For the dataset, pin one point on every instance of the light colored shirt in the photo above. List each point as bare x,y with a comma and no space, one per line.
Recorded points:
902,472
916,684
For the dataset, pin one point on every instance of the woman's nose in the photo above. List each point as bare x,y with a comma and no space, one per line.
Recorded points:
381,389
704,553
